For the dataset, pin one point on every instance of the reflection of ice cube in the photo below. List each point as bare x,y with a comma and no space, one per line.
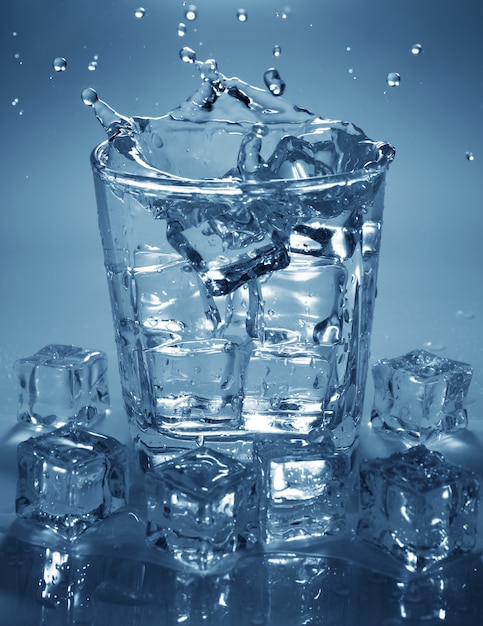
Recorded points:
170,300
303,486
70,478
230,249
420,395
200,507
197,384
418,507
61,383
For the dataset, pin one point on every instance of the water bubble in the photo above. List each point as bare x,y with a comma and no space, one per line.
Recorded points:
393,79
277,51
59,64
417,48
181,29
89,96
140,12
470,156
274,82
187,55
191,12
242,15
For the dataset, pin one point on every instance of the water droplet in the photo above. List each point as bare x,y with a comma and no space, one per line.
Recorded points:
92,66
468,315
434,347
181,29
348,48
274,82
89,96
191,12
393,79
140,12
351,70
277,51
14,34
59,64
417,48
14,102
242,15
470,156
187,55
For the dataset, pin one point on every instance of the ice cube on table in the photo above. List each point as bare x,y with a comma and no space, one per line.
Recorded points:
418,507
303,484
61,384
420,395
70,478
201,507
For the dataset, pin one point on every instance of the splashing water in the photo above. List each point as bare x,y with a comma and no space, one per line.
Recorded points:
393,79
228,122
59,64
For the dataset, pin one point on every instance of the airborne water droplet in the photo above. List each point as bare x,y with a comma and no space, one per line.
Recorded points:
181,29
274,82
393,79
92,66
59,64
140,12
242,15
417,48
470,156
277,51
89,96
187,55
191,12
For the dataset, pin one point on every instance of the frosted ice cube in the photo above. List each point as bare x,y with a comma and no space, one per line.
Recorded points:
418,507
60,384
303,486
201,507
70,478
420,395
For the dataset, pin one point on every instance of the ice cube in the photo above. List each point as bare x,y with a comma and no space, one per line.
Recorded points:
303,486
294,158
418,507
197,384
201,507
61,384
231,246
420,395
70,478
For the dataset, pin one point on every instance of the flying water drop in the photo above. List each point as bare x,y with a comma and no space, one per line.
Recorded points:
140,12
89,96
242,15
417,48
277,51
59,64
181,29
393,79
187,55
191,12
92,66
274,82
470,156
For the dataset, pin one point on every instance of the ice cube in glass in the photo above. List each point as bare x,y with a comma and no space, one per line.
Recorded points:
62,383
200,507
418,507
70,478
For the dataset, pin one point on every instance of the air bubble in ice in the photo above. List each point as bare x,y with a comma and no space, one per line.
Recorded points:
417,48
191,12
187,55
89,96
59,64
242,15
274,82
393,79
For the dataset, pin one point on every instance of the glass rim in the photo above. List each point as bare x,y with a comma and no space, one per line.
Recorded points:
156,180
